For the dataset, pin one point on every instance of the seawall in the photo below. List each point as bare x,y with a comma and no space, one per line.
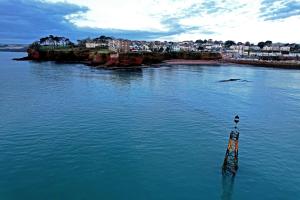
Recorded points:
264,63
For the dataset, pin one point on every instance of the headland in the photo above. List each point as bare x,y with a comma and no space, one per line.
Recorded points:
111,53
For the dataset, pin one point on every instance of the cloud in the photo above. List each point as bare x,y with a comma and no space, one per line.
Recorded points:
274,10
242,20
24,20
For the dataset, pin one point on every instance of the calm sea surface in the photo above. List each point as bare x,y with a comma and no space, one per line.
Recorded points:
73,132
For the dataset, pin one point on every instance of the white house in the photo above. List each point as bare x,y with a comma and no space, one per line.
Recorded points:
267,48
287,49
254,48
92,45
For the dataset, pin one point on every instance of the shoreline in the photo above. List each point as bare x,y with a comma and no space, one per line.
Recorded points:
253,63
136,61
265,63
191,62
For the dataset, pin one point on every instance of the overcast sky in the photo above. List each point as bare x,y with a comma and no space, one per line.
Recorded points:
23,21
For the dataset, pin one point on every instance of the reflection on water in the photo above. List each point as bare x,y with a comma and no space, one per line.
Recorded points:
51,70
126,76
227,187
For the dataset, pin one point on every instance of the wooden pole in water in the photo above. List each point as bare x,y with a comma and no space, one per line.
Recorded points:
230,164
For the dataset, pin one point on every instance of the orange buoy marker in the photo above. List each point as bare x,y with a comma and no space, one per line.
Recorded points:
230,164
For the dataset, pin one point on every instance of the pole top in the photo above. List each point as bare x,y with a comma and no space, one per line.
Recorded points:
236,120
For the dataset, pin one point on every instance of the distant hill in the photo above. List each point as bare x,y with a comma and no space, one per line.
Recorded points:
13,47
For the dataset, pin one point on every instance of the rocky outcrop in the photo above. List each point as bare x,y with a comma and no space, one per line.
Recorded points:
33,54
95,58
153,58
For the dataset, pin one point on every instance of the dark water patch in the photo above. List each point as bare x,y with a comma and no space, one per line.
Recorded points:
233,80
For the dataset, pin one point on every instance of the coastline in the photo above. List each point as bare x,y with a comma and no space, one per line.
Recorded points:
139,60
113,60
191,62
292,64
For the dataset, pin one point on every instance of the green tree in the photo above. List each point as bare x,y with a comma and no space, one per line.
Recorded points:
43,40
51,40
200,48
56,40
35,45
268,43
199,41
229,43
261,44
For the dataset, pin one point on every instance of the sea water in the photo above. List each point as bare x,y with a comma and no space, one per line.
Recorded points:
69,131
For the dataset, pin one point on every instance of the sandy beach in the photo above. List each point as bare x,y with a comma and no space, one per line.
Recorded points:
191,62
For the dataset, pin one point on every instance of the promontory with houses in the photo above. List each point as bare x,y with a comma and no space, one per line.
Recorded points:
108,52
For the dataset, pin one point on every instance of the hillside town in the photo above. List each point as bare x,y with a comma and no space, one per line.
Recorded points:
229,49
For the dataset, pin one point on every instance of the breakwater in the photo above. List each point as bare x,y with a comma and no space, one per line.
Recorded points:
284,64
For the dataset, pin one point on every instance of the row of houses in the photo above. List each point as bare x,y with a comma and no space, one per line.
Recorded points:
121,45
113,45
273,50
234,50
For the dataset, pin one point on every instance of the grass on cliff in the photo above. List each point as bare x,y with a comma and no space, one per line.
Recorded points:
57,48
